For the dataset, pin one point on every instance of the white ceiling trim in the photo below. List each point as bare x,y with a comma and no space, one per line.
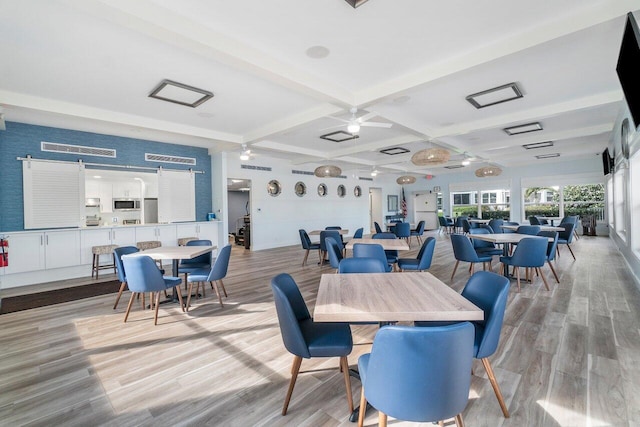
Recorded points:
374,146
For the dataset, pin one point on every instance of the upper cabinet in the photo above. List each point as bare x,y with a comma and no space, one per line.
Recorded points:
127,189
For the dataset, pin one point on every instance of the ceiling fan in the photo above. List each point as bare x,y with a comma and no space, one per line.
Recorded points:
246,153
354,123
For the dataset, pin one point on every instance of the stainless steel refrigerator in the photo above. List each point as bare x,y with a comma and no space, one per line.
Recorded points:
150,207
425,209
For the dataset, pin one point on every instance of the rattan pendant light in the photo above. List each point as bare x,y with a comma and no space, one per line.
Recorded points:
327,171
488,171
430,156
406,179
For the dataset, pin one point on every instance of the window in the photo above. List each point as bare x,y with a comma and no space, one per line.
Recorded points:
634,192
489,198
541,201
619,188
461,199
584,200
495,204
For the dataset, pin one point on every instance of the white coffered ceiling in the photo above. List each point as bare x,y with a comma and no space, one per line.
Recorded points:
90,64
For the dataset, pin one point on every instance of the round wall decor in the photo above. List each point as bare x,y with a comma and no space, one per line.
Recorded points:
274,188
357,191
300,189
322,190
342,191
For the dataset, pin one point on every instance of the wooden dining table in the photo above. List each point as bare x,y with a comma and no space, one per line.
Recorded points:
342,232
387,244
542,227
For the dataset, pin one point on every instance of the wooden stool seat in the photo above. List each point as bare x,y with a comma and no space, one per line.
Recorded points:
102,250
149,244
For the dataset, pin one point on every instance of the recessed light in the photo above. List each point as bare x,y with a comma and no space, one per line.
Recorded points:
495,95
318,52
535,145
179,93
547,156
394,151
529,127
339,136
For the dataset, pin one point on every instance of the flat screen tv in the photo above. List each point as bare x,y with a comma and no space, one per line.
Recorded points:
607,162
628,67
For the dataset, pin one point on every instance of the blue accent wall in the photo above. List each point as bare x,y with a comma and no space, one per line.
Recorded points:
21,139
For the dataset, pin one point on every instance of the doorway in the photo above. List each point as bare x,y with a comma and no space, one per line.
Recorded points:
239,211
375,208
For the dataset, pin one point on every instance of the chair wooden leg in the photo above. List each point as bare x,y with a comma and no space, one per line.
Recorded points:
189,295
126,315
306,255
472,268
155,316
382,419
142,298
553,270
347,381
454,269
180,297
223,288
518,276
440,423
568,246
496,387
459,422
544,279
363,408
501,269
217,292
122,286
295,368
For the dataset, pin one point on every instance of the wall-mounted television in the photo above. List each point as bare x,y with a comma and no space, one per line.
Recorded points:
607,162
628,67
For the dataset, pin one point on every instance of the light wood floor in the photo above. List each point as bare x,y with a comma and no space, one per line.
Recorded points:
569,357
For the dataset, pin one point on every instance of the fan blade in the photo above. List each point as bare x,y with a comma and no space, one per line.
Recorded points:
339,119
376,124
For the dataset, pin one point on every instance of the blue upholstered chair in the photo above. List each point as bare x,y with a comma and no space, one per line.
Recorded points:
403,231
489,292
418,232
418,374
533,220
532,230
143,276
336,227
358,234
551,250
466,225
392,255
572,219
458,227
463,251
566,237
508,223
530,253
363,250
213,275
118,252
423,260
200,262
308,246
496,225
323,247
483,247
377,227
444,226
304,338
362,265
334,251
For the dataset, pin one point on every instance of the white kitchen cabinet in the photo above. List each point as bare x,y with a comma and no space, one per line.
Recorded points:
127,189
92,188
46,250
120,236
165,233
106,197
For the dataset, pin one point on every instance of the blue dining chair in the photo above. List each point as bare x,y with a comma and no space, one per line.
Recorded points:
423,260
305,338
403,231
143,276
362,265
463,251
444,226
358,234
551,250
418,374
364,250
489,292
392,254
308,246
566,237
508,223
334,251
458,227
213,276
377,227
336,227
482,247
532,230
323,239
122,277
496,225
530,253
533,220
418,232
187,266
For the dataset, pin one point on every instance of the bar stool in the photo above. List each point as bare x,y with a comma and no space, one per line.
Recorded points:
184,240
150,244
102,250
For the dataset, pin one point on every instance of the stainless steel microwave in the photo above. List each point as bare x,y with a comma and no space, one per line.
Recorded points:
126,204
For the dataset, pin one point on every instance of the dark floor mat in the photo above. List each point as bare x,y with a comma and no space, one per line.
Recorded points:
41,299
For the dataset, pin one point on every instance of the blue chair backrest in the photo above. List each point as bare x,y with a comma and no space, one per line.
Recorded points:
334,251
358,234
459,220
304,239
477,243
533,220
489,292
335,234
291,310
420,374
442,221
333,227
403,229
425,254
528,229
363,250
201,259
551,246
123,250
567,234
221,265
463,248
377,227
530,252
143,274
384,236
420,228
362,265
509,223
496,225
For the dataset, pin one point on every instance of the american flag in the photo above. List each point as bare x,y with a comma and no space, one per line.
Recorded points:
404,205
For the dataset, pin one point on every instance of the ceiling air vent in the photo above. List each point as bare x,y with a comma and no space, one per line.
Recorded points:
256,168
55,147
302,172
162,158
362,178
454,167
